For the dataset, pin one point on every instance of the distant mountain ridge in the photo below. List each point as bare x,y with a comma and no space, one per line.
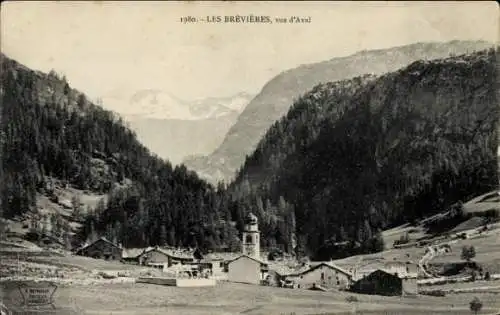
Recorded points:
278,94
162,104
176,139
174,128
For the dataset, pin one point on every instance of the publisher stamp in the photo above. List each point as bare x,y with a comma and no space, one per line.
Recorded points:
26,297
38,294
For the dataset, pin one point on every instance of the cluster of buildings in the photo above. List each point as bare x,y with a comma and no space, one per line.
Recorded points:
156,257
390,278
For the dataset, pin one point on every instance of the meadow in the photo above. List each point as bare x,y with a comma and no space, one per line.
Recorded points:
230,298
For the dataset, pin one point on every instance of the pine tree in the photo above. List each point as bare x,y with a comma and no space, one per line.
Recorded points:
67,239
163,235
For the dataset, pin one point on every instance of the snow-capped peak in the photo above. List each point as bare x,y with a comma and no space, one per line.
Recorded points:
159,104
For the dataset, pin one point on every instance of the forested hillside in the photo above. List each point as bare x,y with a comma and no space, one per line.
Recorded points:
53,133
277,95
358,156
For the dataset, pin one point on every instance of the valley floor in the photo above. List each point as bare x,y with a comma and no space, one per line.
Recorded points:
229,298
92,286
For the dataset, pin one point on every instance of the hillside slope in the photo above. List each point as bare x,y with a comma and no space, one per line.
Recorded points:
278,94
56,144
358,156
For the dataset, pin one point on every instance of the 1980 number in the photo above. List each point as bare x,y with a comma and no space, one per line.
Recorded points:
188,19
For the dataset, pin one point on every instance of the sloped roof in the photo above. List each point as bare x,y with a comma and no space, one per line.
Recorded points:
401,275
178,268
184,254
252,258
378,264
222,256
313,267
384,272
386,267
94,242
281,269
379,272
174,253
132,252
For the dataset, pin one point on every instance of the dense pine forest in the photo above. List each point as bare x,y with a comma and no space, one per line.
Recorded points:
51,132
349,159
358,156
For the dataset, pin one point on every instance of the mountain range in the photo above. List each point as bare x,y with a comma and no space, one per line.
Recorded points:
348,159
358,156
174,128
278,95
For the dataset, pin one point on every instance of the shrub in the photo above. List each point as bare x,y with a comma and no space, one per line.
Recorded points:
468,253
487,276
475,305
473,276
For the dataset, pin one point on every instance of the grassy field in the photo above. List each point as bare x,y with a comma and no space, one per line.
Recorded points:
394,234
487,251
63,208
412,254
487,201
493,284
490,200
83,263
229,298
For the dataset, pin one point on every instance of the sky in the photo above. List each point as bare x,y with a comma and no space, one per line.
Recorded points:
117,48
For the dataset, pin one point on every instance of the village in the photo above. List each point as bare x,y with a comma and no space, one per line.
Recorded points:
250,267
415,267
156,160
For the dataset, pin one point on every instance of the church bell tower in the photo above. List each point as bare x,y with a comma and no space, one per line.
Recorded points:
251,237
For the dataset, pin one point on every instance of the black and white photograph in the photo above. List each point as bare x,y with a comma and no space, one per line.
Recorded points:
250,157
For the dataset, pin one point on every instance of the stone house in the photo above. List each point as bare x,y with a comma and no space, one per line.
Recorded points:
157,256
101,249
325,275
381,282
246,269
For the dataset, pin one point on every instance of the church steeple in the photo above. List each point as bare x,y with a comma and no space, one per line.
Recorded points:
251,237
